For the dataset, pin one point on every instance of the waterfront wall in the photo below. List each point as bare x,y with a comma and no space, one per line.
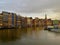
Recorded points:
9,20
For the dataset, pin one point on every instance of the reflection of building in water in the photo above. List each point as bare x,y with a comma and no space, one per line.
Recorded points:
29,32
10,35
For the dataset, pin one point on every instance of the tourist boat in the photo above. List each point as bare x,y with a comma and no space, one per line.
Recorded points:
49,28
55,30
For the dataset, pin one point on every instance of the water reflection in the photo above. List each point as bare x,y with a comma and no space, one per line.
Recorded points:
9,34
16,34
29,36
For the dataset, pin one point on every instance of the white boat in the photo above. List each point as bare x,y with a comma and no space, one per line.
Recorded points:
55,30
50,27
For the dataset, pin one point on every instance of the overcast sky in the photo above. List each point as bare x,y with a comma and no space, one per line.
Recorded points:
33,8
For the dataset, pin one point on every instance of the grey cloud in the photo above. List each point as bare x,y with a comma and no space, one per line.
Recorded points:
29,6
57,10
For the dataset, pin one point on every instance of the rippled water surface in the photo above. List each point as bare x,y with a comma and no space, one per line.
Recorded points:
29,36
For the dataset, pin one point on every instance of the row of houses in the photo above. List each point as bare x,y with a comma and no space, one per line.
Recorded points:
10,20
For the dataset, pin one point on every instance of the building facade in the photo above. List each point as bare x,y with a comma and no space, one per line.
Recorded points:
12,20
5,19
9,19
36,22
29,21
23,21
18,21
1,22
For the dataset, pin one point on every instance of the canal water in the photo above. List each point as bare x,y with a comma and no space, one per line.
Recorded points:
29,36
